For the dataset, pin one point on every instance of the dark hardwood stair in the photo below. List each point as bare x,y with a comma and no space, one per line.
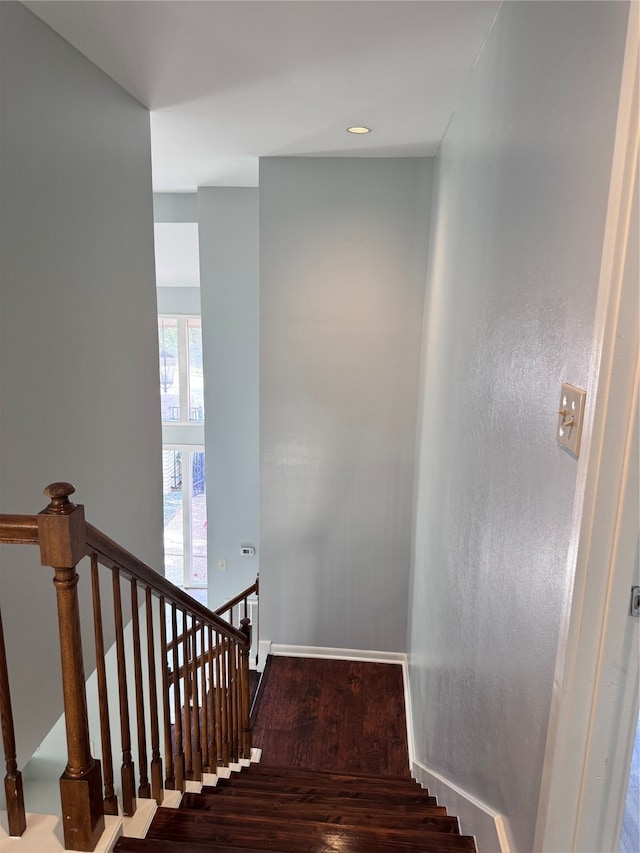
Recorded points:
283,810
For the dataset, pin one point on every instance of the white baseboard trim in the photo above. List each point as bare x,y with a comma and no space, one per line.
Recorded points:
408,710
476,818
327,652
264,650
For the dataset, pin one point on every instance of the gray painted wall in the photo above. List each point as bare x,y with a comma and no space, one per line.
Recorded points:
229,293
179,300
520,200
78,352
175,207
342,270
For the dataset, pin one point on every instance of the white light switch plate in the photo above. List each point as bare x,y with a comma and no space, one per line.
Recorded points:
570,417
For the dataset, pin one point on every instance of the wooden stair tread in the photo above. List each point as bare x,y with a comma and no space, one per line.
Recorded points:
272,810
298,785
336,802
296,836
144,845
226,786
306,772
331,778
341,815
333,805
160,845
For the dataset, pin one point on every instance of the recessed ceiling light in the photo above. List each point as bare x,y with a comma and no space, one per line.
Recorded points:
358,130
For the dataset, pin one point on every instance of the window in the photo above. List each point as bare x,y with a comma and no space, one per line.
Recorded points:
185,515
183,461
181,383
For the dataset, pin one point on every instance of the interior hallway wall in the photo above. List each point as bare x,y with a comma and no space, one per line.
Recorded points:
229,294
521,192
78,337
342,273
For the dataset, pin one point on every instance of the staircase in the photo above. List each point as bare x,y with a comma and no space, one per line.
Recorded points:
181,676
303,811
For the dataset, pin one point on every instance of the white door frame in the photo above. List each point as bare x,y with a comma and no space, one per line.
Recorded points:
594,707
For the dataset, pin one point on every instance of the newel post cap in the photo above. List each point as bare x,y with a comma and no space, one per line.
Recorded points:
61,528
59,503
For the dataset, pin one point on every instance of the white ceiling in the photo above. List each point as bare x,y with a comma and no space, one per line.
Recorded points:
229,82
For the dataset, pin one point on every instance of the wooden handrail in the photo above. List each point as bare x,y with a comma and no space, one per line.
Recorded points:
220,611
205,668
237,599
116,555
19,529
226,611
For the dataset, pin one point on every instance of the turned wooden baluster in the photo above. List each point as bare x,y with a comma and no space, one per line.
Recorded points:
144,788
178,752
62,536
13,778
256,634
223,692
214,714
186,708
127,769
170,779
237,697
156,761
233,699
110,799
204,659
195,711
245,627
238,700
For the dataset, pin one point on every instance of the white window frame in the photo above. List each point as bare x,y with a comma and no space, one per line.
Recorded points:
188,581
184,378
186,436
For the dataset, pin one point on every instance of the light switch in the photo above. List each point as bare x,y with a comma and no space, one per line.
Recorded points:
570,417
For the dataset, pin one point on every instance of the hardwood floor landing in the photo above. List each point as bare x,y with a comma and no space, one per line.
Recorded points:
342,716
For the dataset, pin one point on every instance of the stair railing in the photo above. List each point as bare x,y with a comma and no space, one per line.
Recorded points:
243,610
194,663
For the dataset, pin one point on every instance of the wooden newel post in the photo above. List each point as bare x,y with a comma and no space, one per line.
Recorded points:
62,534
245,627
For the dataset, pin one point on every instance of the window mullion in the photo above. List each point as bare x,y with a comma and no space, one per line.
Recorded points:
183,368
187,492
